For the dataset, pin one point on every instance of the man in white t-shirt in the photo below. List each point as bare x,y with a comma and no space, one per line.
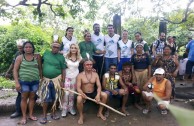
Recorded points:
111,41
98,39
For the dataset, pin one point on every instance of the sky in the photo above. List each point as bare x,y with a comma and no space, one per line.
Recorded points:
146,5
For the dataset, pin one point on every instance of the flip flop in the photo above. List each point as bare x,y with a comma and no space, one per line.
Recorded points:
43,121
164,112
146,111
55,117
22,122
33,118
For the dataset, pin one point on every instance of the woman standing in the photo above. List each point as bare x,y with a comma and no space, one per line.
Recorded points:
125,49
72,59
141,67
67,40
27,72
169,63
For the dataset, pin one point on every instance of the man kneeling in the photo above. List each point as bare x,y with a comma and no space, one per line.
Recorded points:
86,81
161,87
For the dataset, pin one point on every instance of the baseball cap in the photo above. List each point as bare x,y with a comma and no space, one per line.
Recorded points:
159,71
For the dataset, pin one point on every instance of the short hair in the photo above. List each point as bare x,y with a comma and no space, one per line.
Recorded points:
30,44
112,65
95,24
110,25
137,33
125,31
174,37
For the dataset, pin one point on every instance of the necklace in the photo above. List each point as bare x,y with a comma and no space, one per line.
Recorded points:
88,79
71,58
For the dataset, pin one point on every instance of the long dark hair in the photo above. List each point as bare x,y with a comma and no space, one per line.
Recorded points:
30,44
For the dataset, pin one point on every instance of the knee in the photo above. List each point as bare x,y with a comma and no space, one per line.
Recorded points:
104,95
161,106
79,100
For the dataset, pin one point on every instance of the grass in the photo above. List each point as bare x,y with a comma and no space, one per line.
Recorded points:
8,84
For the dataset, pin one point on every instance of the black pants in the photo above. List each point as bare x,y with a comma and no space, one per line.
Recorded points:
99,65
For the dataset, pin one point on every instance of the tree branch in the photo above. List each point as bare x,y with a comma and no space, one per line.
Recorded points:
186,14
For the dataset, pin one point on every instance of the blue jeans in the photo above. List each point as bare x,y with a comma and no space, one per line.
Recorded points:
122,60
109,61
27,86
98,65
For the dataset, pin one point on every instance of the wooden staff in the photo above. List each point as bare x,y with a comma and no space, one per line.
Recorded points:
114,110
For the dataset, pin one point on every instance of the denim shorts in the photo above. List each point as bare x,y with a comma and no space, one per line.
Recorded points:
27,86
50,97
111,94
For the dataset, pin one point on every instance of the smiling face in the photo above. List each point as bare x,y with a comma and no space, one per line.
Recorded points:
87,37
96,28
139,48
125,35
112,69
138,37
159,77
110,30
167,50
69,32
73,49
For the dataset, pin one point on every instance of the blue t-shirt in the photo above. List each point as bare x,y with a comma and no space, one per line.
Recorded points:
190,47
140,61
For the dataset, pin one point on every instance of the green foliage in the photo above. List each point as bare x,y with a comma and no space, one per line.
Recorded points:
4,83
9,35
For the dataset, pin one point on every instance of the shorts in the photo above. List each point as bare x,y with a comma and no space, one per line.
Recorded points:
189,67
91,95
50,97
110,94
27,86
166,103
148,94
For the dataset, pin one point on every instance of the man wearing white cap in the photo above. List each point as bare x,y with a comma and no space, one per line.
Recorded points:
161,87
19,44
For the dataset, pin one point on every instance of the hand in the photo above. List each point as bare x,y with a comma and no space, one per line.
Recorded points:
97,98
104,51
83,95
129,84
93,70
7,75
18,87
114,92
174,74
125,90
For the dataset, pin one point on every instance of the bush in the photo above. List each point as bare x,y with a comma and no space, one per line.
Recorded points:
4,83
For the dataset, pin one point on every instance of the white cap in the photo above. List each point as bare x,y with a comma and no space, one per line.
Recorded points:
20,42
138,44
159,71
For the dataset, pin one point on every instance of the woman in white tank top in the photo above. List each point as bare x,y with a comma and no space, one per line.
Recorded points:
72,60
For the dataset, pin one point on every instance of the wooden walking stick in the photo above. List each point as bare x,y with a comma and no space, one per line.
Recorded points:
114,110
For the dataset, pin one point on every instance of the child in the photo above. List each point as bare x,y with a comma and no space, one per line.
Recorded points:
182,65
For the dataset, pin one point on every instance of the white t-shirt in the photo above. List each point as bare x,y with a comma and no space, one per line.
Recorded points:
67,43
111,45
72,68
98,42
125,48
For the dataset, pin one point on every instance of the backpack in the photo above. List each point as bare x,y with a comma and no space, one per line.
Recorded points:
158,43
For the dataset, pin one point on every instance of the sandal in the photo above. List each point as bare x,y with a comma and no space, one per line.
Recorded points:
146,111
33,118
55,117
22,122
164,112
43,121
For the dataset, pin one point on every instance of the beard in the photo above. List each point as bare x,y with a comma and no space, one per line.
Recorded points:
162,39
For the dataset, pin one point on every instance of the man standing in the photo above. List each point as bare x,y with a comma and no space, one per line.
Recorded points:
190,62
139,40
161,87
19,43
98,39
86,81
53,79
111,41
158,45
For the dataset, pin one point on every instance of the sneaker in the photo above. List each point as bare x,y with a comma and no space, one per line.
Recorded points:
64,113
164,112
72,111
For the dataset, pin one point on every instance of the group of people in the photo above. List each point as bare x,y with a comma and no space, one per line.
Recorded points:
100,67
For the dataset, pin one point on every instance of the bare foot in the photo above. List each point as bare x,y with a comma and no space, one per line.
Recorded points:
100,115
137,106
125,112
80,121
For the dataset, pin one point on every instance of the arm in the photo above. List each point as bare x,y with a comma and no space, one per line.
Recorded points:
62,77
40,66
174,74
15,72
146,48
98,88
9,70
145,87
104,82
149,71
168,91
119,54
79,90
122,84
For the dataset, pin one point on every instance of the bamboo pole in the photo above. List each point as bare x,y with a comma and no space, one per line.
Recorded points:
114,110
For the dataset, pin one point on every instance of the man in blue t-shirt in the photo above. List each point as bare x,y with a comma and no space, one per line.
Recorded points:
190,62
